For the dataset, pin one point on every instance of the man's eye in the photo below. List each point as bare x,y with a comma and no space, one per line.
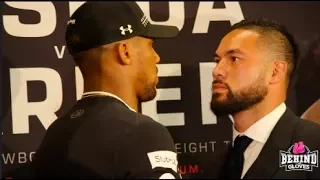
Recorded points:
234,58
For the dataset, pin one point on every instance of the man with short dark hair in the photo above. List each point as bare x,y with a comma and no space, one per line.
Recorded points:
255,61
103,135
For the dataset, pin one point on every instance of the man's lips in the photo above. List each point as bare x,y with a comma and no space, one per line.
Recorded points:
218,86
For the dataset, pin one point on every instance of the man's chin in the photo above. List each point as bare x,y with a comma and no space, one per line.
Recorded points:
148,95
219,97
219,105
219,110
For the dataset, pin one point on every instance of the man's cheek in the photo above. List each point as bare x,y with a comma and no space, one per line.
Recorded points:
244,76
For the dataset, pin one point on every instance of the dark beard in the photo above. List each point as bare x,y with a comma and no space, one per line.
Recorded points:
149,90
149,94
238,101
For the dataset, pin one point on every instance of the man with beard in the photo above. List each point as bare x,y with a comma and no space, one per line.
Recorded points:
103,135
255,61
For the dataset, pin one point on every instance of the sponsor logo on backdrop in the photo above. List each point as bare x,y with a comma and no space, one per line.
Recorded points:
195,147
191,169
232,12
17,157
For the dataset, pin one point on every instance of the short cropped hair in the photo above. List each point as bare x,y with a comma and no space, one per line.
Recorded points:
276,38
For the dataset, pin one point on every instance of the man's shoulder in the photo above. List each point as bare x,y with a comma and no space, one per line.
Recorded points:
308,127
106,113
144,120
149,133
117,112
114,115
113,109
301,126
144,126
294,129
308,132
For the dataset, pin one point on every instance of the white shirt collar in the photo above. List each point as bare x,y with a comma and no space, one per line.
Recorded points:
261,130
107,94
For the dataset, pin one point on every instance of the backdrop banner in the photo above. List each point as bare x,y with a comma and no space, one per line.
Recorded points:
42,83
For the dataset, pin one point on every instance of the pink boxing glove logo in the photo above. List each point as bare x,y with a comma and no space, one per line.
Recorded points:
298,148
299,157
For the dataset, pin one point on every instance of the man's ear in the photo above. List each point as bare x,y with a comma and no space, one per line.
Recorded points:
123,51
279,72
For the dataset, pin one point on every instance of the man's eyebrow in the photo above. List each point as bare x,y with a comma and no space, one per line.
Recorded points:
231,51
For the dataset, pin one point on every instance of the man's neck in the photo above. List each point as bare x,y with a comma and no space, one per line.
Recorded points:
123,93
244,119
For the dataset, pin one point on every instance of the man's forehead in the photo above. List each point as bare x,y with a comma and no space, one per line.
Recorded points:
238,41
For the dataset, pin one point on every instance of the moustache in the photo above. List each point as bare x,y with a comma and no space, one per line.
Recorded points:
215,82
